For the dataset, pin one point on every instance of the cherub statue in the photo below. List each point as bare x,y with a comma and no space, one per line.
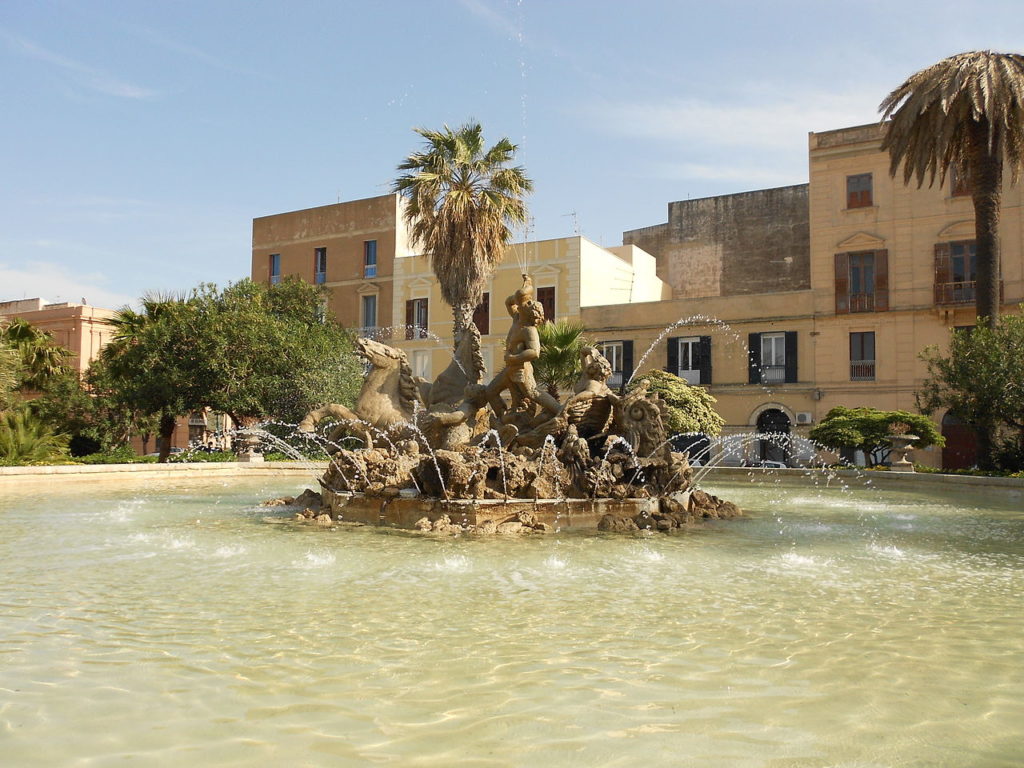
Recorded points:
522,347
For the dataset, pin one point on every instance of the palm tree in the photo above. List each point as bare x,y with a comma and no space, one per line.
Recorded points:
42,360
965,112
461,199
558,366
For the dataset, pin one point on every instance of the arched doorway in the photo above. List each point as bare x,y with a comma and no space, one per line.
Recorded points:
961,449
776,423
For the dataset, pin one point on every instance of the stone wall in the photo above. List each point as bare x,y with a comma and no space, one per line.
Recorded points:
752,242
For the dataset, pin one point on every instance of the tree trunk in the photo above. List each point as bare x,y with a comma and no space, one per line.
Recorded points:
987,182
166,432
463,316
986,446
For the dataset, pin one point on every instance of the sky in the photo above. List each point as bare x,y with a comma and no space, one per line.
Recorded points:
140,138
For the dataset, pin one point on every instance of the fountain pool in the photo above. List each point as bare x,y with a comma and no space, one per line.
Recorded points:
177,627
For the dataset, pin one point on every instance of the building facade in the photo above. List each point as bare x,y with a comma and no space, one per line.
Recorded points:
889,271
81,328
350,248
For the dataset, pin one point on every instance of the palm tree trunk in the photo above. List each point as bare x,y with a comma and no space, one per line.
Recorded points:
463,315
987,182
166,431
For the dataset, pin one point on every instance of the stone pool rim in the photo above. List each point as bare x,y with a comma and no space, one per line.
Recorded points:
208,470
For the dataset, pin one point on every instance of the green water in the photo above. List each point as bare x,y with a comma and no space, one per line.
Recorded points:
178,627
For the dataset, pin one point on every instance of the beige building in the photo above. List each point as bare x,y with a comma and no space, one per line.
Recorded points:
889,270
360,252
350,248
81,328
568,273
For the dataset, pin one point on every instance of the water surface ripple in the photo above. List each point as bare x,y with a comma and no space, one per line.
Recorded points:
177,626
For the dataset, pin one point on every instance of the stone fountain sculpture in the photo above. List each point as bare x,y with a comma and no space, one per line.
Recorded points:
453,454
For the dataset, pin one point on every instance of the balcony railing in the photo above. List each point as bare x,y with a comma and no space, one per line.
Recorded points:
773,374
862,302
862,370
690,376
319,278
954,293
615,380
959,293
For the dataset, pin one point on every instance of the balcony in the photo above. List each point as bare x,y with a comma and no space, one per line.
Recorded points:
862,370
954,293
862,302
773,374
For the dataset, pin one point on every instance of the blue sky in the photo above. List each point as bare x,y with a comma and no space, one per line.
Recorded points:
141,138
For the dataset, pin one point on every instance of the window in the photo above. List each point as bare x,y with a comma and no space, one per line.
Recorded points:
689,358
546,296
421,363
858,191
370,258
370,311
275,268
320,266
620,356
959,183
416,317
482,315
862,281
862,356
772,358
955,265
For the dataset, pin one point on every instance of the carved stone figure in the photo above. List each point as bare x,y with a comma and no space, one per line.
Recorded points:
522,347
598,445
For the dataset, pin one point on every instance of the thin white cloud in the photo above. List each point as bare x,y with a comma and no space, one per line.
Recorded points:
56,283
766,124
745,174
90,77
491,17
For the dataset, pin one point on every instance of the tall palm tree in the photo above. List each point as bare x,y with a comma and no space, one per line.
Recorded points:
461,198
965,112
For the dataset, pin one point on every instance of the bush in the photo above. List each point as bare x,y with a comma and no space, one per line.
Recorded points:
25,439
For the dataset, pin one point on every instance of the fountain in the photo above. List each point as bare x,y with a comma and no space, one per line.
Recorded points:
459,456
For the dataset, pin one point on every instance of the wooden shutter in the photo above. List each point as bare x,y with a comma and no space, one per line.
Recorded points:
882,281
842,283
673,356
627,360
704,355
791,367
754,358
943,272
482,315
410,318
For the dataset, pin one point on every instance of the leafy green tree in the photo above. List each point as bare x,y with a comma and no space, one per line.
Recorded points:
965,112
42,360
251,350
980,381
461,198
690,409
271,351
558,366
869,430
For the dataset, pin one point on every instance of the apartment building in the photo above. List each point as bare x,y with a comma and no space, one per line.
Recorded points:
856,274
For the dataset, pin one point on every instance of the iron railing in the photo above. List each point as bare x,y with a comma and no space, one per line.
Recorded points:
862,370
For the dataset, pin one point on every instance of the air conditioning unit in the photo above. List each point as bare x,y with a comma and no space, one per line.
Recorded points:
805,417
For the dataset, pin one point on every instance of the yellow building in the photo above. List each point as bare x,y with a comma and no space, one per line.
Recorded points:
350,248
889,268
569,274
